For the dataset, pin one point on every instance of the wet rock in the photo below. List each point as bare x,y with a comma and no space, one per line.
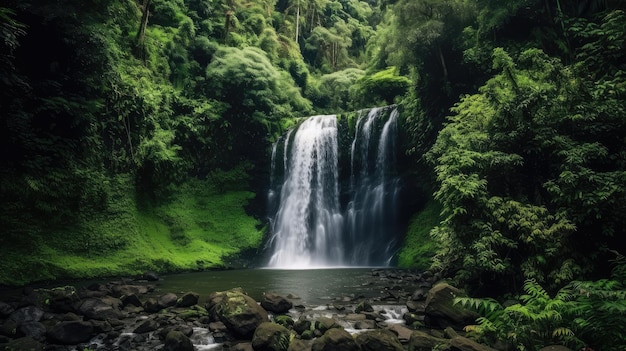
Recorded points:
98,309
284,320
411,318
8,328
26,314
101,326
146,326
364,306
275,303
419,294
270,337
555,348
177,341
188,299
302,325
421,341
168,300
355,317
239,312
298,345
464,344
60,300
217,327
241,346
25,343
71,333
365,324
324,323
5,309
378,340
34,330
130,299
150,276
415,306
152,305
403,333
128,289
335,340
440,311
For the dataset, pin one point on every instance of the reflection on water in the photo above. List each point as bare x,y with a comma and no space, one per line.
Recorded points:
313,287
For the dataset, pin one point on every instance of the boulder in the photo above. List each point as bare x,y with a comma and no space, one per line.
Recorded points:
130,299
324,323
188,299
440,311
152,305
97,309
71,333
420,294
241,346
25,344
150,276
270,337
302,325
127,289
177,341
378,340
239,312
5,309
34,330
298,345
555,348
403,333
146,326
365,324
275,303
364,306
60,300
284,320
464,344
335,340
167,300
421,341
26,314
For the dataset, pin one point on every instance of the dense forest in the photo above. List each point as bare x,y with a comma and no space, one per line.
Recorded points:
137,134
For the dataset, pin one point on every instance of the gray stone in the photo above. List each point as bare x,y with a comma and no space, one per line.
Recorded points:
239,312
335,340
98,309
270,337
71,333
188,299
421,341
378,340
275,303
441,312
177,341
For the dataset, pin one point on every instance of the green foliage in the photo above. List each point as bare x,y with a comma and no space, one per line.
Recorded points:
581,313
381,88
418,248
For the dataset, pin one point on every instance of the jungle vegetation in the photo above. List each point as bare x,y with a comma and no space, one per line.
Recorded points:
144,126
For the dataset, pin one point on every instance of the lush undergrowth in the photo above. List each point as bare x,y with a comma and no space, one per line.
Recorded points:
418,248
202,224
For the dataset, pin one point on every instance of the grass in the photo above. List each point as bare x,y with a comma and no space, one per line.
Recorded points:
195,230
419,247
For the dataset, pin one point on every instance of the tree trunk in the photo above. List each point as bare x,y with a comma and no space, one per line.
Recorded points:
141,33
298,22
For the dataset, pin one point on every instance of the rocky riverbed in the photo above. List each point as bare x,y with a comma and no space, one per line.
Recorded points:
410,312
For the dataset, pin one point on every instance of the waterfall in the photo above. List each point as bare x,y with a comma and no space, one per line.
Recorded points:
310,227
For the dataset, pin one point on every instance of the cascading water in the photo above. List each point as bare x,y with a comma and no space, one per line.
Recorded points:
310,227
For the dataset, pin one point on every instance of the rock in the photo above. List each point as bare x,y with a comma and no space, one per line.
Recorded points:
101,326
239,312
152,305
241,346
440,311
127,289
130,299
365,324
146,326
378,340
355,317
275,303
168,300
98,309
26,314
71,333
298,345
335,340
420,294
555,348
217,327
8,328
421,341
464,344
403,333
188,299
60,300
23,344
415,306
302,325
5,309
177,341
411,318
364,306
34,330
325,323
150,276
270,337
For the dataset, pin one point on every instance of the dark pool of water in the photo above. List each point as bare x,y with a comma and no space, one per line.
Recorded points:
313,287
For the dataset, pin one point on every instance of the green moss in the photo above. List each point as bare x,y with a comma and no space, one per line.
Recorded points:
200,225
418,247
